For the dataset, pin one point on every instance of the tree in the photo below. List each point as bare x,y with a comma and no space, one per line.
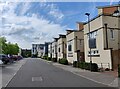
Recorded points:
3,45
8,48
12,49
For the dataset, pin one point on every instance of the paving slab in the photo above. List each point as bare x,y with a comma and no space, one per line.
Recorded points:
94,76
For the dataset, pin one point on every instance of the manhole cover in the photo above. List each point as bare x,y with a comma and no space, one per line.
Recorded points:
37,79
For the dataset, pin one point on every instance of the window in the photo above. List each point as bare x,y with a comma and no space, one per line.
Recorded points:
58,49
92,39
93,52
112,33
41,48
80,42
97,51
69,47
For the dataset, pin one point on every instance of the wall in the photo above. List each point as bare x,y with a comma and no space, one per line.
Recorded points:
109,10
71,39
50,50
112,22
100,58
54,47
62,53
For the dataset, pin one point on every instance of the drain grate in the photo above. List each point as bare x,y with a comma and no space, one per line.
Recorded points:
37,79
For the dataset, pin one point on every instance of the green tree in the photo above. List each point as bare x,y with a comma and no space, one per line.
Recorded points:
8,48
12,49
3,45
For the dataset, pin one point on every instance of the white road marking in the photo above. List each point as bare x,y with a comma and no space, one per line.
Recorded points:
37,79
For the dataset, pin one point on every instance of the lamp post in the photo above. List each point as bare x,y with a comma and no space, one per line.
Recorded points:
88,14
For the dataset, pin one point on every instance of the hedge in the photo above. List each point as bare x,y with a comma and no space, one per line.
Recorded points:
63,61
54,59
49,58
86,66
119,71
45,57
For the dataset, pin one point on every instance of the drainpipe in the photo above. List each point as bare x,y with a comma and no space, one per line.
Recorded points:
63,49
51,50
76,48
76,42
106,35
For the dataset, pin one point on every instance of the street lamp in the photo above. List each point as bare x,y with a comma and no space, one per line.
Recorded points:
88,14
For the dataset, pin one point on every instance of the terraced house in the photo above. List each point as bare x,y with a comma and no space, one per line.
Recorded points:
50,50
102,38
61,47
54,48
37,50
45,53
75,44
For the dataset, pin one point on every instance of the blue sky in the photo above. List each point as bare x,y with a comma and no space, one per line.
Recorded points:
36,22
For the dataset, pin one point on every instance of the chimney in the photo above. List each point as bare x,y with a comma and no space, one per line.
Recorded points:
80,25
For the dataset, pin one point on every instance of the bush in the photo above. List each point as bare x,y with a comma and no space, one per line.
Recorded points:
49,58
54,59
81,65
94,67
63,61
119,71
45,57
86,66
75,64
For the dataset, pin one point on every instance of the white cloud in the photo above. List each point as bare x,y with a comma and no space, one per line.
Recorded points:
26,6
26,30
55,12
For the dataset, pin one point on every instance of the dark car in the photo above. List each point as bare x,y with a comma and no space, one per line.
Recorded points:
19,57
16,57
4,58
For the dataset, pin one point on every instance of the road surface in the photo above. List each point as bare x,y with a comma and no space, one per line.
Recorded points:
39,73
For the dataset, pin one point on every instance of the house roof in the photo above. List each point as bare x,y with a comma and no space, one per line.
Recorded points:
80,22
55,39
103,14
62,36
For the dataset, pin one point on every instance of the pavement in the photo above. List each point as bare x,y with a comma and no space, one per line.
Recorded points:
8,71
106,78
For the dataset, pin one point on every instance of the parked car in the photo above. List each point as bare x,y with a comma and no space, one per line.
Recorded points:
1,62
16,57
4,58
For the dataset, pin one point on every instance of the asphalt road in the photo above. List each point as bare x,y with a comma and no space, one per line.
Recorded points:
39,73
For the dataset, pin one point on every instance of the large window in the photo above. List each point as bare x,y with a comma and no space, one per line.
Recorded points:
58,49
92,39
69,47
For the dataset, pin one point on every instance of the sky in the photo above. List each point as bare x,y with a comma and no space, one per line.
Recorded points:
26,23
